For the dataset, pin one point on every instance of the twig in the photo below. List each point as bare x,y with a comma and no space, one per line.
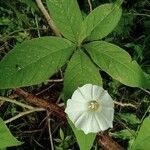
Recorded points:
23,114
48,18
49,130
125,104
138,14
103,140
36,22
148,92
15,102
51,107
55,80
42,91
90,5
108,143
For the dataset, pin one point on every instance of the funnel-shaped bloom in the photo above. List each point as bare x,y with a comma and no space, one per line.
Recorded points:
91,109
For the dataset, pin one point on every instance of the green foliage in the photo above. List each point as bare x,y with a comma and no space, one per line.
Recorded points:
67,17
63,141
80,71
100,22
143,138
34,61
129,118
6,138
31,4
117,63
124,134
124,26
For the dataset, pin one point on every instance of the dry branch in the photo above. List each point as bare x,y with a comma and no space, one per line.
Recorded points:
51,107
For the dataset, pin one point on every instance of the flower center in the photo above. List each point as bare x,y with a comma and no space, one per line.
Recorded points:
93,105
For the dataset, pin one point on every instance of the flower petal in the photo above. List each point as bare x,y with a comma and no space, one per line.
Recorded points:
91,126
86,91
97,91
106,100
75,116
95,120
103,124
85,122
108,114
78,96
74,106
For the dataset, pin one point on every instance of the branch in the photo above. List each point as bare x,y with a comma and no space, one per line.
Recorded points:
104,140
23,114
16,102
90,5
51,107
125,104
48,18
49,130
108,143
148,92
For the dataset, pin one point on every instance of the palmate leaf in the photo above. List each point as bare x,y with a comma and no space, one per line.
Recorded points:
117,63
67,17
80,71
100,22
6,138
142,141
34,61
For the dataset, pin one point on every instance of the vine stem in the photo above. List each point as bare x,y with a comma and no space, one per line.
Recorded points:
55,80
48,18
125,104
148,92
16,102
23,114
139,14
49,130
90,5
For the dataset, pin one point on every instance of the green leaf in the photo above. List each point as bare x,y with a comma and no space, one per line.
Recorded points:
124,134
67,17
85,141
34,61
80,71
117,63
142,141
129,118
6,138
100,22
30,4
61,133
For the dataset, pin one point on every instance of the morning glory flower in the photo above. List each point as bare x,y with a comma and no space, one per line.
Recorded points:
91,109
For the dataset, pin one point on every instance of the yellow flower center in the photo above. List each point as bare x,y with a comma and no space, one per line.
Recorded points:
93,105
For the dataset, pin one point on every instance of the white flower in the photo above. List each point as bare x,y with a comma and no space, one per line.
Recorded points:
91,109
